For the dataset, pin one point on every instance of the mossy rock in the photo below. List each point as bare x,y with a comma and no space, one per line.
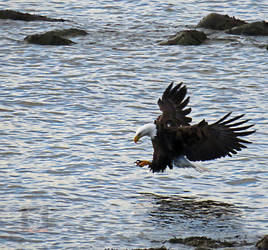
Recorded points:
15,15
217,21
186,37
250,29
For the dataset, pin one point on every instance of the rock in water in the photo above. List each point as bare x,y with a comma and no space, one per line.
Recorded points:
55,37
72,32
15,15
47,39
186,37
250,29
217,21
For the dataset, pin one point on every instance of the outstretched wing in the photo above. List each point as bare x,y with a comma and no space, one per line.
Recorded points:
172,104
206,142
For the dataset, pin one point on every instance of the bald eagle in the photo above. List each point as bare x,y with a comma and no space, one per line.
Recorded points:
176,142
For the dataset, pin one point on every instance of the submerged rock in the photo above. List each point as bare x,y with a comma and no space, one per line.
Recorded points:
15,15
72,32
263,243
251,29
47,39
55,37
186,37
217,21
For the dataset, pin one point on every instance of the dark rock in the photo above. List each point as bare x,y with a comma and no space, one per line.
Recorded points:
47,39
15,15
202,242
263,243
55,37
250,29
186,37
217,21
206,243
72,32
152,248
203,248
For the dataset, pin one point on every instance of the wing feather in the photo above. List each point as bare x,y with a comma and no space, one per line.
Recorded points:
206,142
232,120
173,106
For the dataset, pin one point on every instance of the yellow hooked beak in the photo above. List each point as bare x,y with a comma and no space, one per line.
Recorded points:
136,138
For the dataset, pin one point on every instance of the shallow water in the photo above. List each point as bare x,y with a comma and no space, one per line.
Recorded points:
69,114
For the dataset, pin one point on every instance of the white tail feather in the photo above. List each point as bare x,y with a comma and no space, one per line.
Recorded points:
183,162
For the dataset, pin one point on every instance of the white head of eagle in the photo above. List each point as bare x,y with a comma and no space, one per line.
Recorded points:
148,129
173,137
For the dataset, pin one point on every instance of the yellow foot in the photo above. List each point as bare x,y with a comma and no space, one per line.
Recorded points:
142,163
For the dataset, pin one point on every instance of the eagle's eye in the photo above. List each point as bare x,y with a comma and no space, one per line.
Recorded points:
169,124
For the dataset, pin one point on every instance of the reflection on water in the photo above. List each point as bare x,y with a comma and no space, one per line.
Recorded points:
205,223
189,214
68,116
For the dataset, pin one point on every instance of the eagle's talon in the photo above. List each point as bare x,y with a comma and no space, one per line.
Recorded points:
142,163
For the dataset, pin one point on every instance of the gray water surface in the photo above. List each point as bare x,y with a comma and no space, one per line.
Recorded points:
68,117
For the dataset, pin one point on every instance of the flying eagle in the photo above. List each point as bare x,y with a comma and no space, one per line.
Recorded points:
176,142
